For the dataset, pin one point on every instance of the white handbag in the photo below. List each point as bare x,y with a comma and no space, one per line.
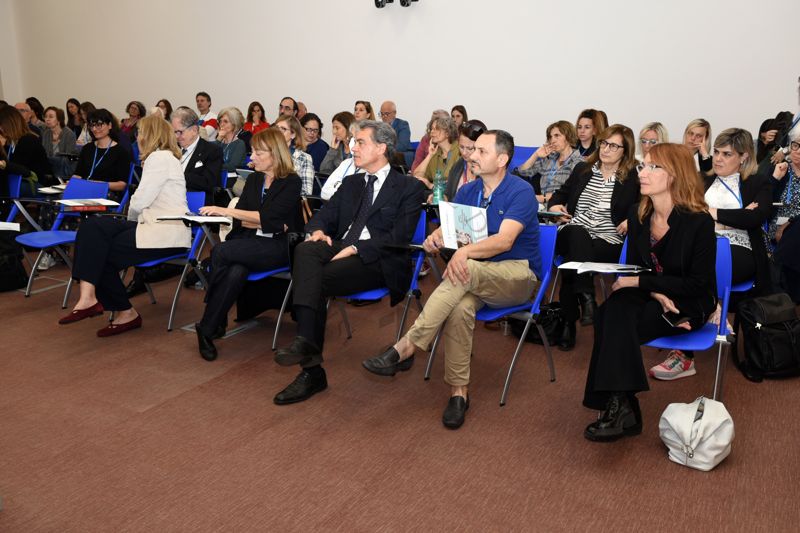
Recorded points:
698,434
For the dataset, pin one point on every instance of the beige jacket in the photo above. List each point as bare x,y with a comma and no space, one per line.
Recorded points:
161,192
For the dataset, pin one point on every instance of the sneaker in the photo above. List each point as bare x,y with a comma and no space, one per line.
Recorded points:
424,270
675,366
47,262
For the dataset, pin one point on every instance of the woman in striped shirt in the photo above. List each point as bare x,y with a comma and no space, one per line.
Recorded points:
595,201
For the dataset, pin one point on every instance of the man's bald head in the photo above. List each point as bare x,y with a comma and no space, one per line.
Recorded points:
388,111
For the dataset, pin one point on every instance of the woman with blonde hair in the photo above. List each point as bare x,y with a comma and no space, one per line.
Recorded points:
106,245
697,137
672,235
266,212
292,132
651,134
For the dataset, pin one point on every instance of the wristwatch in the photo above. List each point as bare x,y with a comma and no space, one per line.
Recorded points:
785,150
354,247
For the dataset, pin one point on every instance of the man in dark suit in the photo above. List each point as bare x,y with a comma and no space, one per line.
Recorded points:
347,252
201,160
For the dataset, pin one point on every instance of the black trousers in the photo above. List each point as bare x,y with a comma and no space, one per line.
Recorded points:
316,278
616,365
103,247
231,262
575,244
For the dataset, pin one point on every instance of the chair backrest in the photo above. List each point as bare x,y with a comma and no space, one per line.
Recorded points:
623,254
418,255
547,251
724,265
127,196
521,154
196,200
79,189
14,185
419,233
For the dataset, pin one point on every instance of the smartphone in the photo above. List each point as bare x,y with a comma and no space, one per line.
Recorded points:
674,319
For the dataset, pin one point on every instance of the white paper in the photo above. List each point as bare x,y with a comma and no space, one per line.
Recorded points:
51,190
602,268
198,219
87,202
462,224
780,221
9,226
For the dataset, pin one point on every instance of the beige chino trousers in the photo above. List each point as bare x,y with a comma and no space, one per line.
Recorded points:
498,284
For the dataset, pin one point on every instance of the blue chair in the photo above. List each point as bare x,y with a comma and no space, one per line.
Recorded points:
705,337
195,200
380,293
123,203
53,238
280,273
14,186
559,260
528,311
521,154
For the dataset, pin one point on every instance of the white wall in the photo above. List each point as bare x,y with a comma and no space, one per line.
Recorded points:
517,65
10,76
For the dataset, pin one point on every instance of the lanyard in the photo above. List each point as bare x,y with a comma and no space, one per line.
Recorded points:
95,162
551,173
483,204
11,148
789,192
737,196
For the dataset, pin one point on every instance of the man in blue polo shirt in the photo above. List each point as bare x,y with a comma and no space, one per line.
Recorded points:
501,270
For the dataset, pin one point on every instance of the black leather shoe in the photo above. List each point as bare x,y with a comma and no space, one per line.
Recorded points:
136,286
566,338
621,418
388,363
588,305
300,351
207,349
304,386
218,333
454,413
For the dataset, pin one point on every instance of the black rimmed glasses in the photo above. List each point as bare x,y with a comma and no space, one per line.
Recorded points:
612,147
794,146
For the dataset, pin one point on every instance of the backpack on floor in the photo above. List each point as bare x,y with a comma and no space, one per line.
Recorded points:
551,320
771,337
12,273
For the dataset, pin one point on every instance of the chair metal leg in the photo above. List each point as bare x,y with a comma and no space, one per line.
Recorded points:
149,290
280,315
403,317
343,311
434,267
66,293
603,287
507,385
34,270
548,352
720,372
555,282
177,295
433,353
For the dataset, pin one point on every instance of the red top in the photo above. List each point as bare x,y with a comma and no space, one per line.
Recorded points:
248,126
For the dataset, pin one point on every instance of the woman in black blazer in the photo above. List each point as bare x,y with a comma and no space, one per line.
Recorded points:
21,152
595,199
740,202
267,210
671,234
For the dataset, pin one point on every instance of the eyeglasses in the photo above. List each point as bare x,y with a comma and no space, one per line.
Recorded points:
97,124
387,113
651,167
612,147
794,146
652,142
312,130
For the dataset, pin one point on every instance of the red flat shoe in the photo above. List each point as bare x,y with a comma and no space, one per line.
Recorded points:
80,314
117,329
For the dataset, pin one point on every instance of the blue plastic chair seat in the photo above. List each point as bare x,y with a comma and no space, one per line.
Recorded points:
487,313
46,239
699,340
374,294
257,276
742,287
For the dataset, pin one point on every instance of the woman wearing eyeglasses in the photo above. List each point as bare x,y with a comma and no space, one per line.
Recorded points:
740,202
461,173
672,235
104,159
784,229
595,200
290,127
652,133
315,145
234,149
553,162
340,146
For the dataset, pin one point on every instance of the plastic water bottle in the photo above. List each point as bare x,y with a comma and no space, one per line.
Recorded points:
438,187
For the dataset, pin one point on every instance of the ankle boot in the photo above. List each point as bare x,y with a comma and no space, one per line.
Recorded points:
566,338
588,305
621,418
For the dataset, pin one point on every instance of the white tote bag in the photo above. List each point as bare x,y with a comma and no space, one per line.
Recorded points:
698,434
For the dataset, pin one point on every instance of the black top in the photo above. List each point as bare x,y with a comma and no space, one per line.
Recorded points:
586,152
687,256
757,188
280,206
204,169
626,193
29,156
111,164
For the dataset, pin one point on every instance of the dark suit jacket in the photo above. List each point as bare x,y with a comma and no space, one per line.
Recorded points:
757,188
688,260
29,156
207,176
625,193
392,220
281,205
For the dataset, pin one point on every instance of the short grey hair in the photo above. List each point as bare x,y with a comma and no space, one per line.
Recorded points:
186,115
234,115
381,133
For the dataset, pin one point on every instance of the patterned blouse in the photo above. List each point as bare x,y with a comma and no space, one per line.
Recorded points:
304,167
725,193
552,176
790,197
593,211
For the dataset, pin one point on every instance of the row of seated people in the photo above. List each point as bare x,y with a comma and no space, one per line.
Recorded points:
670,218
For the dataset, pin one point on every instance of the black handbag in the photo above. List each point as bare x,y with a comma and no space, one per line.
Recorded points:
551,320
12,273
771,338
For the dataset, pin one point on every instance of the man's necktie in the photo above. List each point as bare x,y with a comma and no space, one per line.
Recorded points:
360,221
